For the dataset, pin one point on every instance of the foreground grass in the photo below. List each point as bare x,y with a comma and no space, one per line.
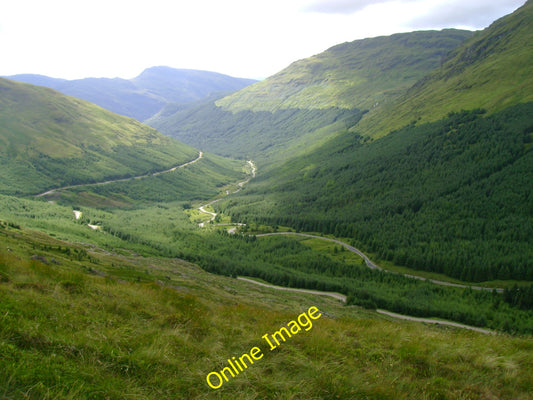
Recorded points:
81,323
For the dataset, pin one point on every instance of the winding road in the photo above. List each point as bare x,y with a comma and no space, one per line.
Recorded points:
342,298
372,265
200,156
213,214
368,262
338,296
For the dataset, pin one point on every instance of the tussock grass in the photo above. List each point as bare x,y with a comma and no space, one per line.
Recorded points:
68,333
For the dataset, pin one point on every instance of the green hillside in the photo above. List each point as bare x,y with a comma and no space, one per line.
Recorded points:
453,196
129,289
50,140
417,76
203,179
262,135
313,98
359,74
490,70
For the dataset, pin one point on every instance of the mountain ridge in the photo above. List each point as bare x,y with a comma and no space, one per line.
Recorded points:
490,70
145,95
311,99
354,74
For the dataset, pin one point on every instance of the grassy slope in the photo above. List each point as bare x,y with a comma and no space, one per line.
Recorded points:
48,139
264,136
491,70
350,75
96,325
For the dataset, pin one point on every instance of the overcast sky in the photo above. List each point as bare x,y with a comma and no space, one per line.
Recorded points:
243,38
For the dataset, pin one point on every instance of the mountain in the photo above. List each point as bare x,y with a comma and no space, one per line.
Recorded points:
359,74
118,95
448,191
145,95
311,98
452,197
130,294
49,139
187,85
491,70
260,135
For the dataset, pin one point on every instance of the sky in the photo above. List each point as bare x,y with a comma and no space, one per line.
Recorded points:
74,39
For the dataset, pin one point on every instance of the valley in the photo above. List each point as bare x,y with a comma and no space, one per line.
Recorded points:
252,171
372,265
379,192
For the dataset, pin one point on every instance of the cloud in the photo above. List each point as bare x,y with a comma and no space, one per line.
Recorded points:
474,14
234,37
341,6
426,13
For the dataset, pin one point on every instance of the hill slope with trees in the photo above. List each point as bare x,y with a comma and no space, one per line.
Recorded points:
452,196
50,140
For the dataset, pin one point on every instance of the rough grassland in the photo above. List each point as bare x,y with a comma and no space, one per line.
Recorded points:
80,323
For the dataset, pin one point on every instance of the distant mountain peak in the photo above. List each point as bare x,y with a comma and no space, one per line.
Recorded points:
145,95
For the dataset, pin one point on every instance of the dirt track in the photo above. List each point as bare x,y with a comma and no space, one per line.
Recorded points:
200,155
342,298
